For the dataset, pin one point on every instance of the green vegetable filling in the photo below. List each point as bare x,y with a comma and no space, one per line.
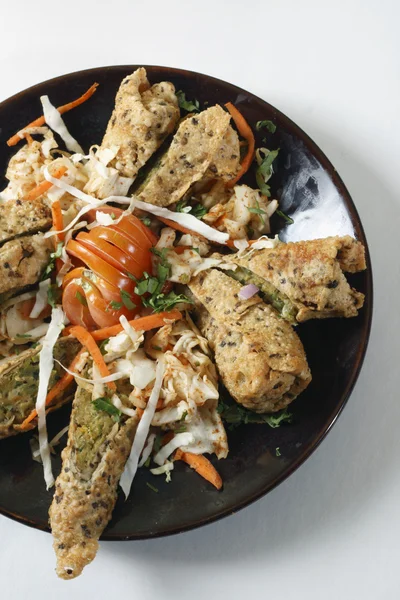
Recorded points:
268,292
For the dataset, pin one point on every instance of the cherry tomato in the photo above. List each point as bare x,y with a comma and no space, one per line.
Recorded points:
76,312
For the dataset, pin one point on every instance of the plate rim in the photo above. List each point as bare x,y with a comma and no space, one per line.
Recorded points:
364,342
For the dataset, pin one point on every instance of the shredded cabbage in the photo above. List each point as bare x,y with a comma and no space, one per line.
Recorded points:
148,449
41,299
142,432
45,368
55,122
180,439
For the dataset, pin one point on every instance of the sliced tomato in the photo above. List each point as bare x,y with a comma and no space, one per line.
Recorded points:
113,255
122,241
109,292
100,266
76,312
132,219
101,311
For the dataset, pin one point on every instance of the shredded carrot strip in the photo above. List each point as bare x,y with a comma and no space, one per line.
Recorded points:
201,465
58,221
246,132
29,139
61,109
59,387
43,187
181,249
141,324
87,340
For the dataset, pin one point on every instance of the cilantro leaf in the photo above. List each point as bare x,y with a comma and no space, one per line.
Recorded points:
267,124
81,298
146,221
197,210
258,211
288,219
153,286
235,415
114,305
106,405
264,170
277,451
187,105
152,487
127,300
52,262
103,344
54,295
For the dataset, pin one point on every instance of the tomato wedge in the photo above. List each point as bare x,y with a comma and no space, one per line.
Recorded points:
100,267
76,312
100,310
113,255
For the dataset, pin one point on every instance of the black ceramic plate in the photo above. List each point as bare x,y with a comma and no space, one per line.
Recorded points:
312,192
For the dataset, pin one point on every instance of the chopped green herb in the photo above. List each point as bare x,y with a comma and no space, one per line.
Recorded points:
114,305
23,335
152,487
157,348
180,429
148,462
54,295
187,105
127,300
146,221
183,417
277,452
235,415
157,443
264,170
112,215
81,298
258,211
266,125
288,219
103,344
106,405
196,250
52,262
197,209
153,286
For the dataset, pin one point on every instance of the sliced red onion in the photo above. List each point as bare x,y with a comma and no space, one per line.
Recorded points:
248,291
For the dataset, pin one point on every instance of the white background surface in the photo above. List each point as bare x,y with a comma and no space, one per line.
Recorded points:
332,530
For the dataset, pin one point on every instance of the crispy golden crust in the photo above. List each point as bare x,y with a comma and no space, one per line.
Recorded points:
84,499
23,260
18,218
19,379
310,275
199,141
142,118
226,162
259,357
